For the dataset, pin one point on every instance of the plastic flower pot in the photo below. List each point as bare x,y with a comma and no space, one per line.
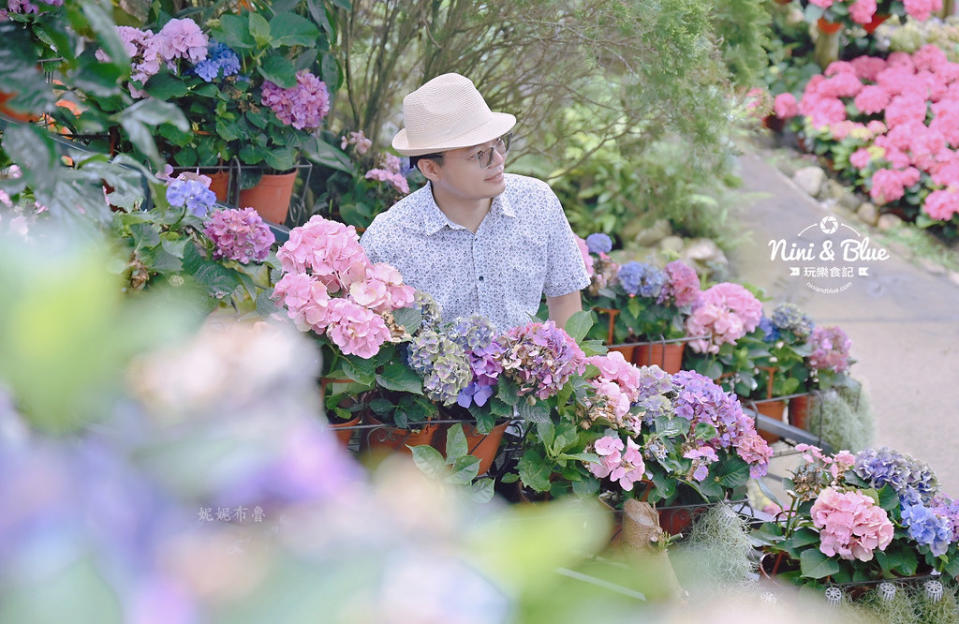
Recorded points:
827,27
799,411
668,356
9,112
271,197
484,445
387,438
877,20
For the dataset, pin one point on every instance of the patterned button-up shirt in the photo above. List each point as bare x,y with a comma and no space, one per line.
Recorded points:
523,248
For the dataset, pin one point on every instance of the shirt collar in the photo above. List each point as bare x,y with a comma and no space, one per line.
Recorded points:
435,219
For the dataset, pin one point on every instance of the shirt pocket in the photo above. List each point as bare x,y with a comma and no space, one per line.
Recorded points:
525,264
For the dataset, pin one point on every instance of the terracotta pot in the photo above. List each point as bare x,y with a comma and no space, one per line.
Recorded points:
388,438
484,445
271,197
343,430
628,352
771,564
877,19
9,112
676,520
774,123
799,411
773,409
667,356
827,27
783,2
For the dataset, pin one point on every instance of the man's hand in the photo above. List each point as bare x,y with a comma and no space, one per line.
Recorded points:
563,307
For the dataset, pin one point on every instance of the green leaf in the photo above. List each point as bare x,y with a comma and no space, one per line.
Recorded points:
166,86
289,29
888,498
456,446
381,407
409,318
535,413
429,461
398,377
318,13
704,431
346,5
260,29
816,565
578,325
506,391
332,72
278,70
140,120
586,488
102,24
322,153
281,158
482,491
360,371
234,32
465,470
500,408
485,421
738,475
534,472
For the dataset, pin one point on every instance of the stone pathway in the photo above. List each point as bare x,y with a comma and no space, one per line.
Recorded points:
903,320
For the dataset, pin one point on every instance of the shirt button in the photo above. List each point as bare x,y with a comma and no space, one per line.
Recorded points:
481,278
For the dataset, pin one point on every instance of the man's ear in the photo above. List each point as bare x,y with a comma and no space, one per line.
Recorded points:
429,168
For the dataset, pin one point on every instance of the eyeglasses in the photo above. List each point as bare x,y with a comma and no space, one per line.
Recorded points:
485,156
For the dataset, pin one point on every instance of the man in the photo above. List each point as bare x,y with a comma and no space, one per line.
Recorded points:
476,239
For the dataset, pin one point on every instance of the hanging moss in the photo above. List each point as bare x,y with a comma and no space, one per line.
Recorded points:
900,610
843,417
718,549
942,611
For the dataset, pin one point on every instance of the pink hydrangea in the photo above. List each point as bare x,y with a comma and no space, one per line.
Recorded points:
901,59
356,330
382,290
830,349
614,368
725,312
886,186
683,285
872,99
822,110
329,250
862,11
754,450
897,79
239,235
182,38
904,109
303,106
613,406
822,3
843,84
396,179
868,67
587,258
305,299
861,158
143,48
785,106
941,204
619,462
850,524
922,9
839,67
924,146
358,139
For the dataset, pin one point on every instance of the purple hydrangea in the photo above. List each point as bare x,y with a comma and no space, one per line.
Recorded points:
928,528
302,106
901,472
947,508
642,279
682,285
655,393
788,317
428,309
477,337
239,235
541,358
831,348
192,193
599,243
182,38
221,61
700,400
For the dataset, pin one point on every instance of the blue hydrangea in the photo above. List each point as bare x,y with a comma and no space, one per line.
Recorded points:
655,393
427,307
197,198
927,528
220,61
442,363
642,279
599,243
770,332
901,472
474,333
788,317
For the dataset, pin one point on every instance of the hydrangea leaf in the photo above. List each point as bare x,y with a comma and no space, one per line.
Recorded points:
814,564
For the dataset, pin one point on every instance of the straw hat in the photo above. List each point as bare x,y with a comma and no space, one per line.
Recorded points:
447,113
